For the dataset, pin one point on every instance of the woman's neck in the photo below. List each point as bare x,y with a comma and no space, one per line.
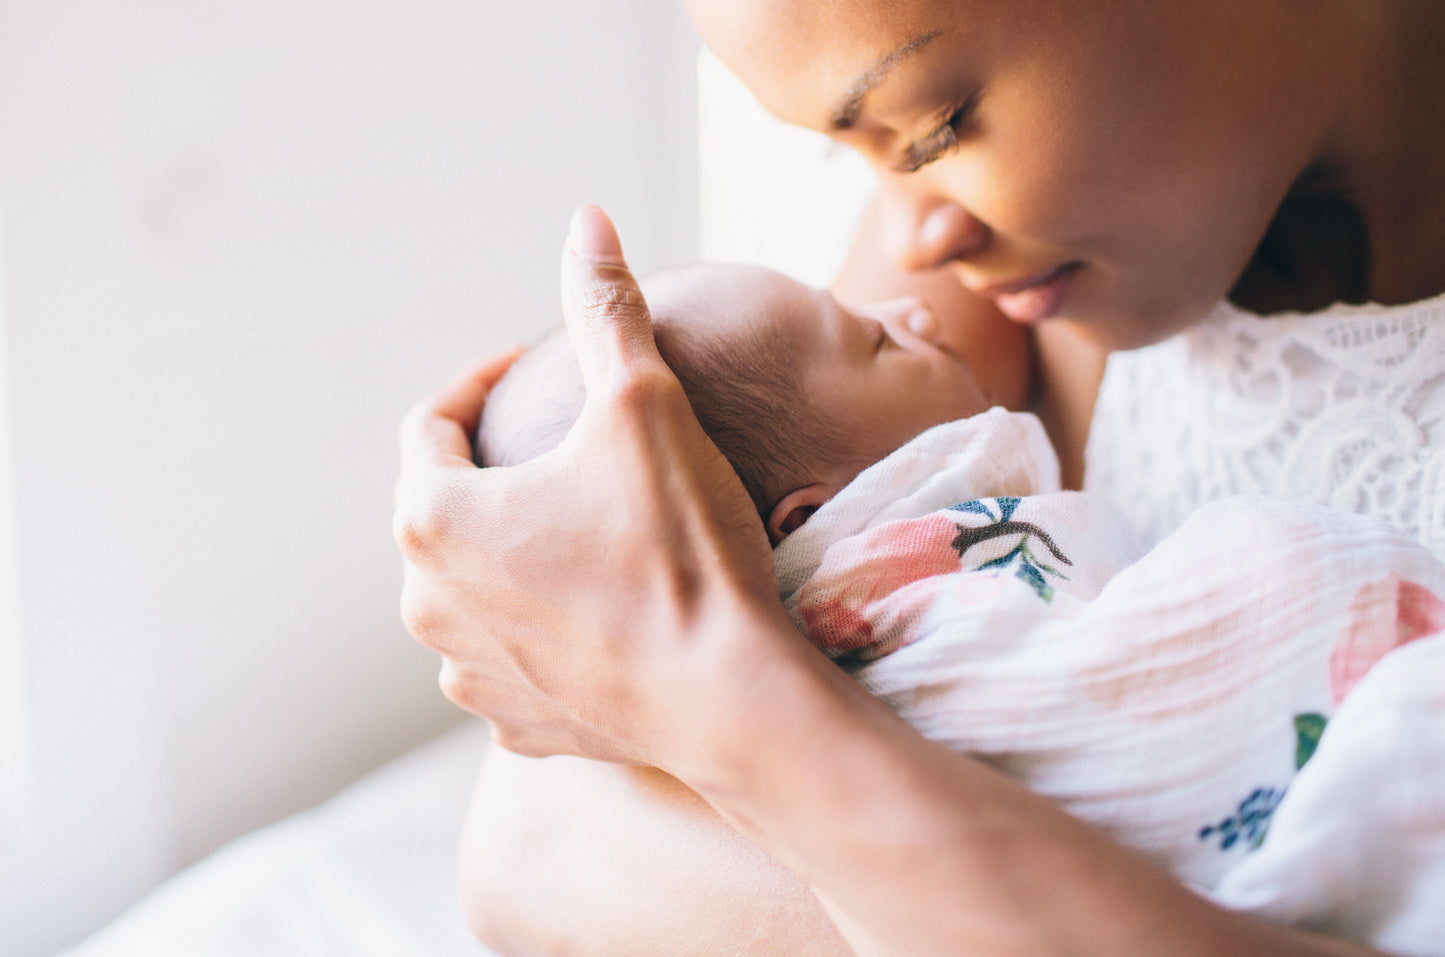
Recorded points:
1366,220
1404,200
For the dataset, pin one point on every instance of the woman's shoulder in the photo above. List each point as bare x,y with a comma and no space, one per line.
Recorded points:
1344,407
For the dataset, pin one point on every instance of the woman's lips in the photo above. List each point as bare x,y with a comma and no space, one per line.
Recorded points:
1035,298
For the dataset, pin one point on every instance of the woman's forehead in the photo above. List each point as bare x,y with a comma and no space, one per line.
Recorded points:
817,22
803,58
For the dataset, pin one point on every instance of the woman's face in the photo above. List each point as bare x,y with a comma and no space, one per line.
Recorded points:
1113,163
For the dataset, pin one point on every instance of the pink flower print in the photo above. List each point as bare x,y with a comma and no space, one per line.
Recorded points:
839,604
1382,617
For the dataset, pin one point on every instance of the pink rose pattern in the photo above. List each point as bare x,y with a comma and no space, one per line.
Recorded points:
872,590
862,572
1382,617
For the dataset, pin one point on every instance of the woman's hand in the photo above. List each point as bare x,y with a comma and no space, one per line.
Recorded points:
582,600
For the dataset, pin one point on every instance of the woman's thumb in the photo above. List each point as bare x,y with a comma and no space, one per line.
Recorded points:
607,318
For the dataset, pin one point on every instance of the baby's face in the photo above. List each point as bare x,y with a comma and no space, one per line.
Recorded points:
876,374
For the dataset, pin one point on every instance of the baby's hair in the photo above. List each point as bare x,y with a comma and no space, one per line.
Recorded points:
745,392
748,398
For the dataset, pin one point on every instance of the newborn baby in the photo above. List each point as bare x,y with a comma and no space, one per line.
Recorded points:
922,540
799,392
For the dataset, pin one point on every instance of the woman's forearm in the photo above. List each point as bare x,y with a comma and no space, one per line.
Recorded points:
917,850
570,856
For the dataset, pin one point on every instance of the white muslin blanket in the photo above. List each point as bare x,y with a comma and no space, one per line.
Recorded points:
1256,704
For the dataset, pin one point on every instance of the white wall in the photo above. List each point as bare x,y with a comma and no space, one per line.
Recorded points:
240,238
14,780
784,197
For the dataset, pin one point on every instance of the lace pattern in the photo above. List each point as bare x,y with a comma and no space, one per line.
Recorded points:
1344,408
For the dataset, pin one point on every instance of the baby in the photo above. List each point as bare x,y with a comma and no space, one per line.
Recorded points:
799,392
922,540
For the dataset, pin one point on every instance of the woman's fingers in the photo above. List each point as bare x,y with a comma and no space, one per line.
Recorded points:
437,491
462,398
438,430
607,317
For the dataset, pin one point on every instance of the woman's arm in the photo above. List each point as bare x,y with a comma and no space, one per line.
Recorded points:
917,850
614,600
568,856
563,855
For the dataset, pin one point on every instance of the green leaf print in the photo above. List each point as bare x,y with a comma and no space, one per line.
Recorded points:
1308,728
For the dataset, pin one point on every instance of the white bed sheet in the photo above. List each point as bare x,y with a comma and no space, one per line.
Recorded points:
370,873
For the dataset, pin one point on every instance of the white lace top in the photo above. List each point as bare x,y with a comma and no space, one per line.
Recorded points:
1344,408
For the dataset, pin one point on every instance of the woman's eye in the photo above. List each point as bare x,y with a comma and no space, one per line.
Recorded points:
942,140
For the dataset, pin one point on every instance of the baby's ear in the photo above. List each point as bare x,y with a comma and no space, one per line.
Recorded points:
795,508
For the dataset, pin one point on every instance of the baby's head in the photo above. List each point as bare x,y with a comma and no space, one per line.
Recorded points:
798,392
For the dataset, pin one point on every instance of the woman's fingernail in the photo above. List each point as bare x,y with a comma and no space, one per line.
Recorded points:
592,237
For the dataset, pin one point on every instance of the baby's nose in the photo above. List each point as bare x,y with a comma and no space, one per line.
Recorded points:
922,322
913,314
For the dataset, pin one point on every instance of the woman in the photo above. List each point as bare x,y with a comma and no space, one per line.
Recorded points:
1104,173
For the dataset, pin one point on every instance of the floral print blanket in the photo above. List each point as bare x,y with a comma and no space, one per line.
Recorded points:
1256,704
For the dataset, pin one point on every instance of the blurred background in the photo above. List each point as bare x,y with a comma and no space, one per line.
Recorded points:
237,241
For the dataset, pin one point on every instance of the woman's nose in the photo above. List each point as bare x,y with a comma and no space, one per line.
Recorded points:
922,230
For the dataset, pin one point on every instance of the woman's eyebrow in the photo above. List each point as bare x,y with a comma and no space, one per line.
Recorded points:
847,110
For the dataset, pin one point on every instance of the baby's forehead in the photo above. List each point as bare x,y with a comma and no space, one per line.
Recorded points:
733,302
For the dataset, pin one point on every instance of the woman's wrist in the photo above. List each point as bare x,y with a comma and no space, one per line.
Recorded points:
717,702
786,729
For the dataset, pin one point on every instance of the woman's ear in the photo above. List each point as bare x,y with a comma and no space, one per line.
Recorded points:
795,508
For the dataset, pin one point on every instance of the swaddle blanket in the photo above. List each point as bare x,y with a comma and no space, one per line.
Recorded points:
1213,703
